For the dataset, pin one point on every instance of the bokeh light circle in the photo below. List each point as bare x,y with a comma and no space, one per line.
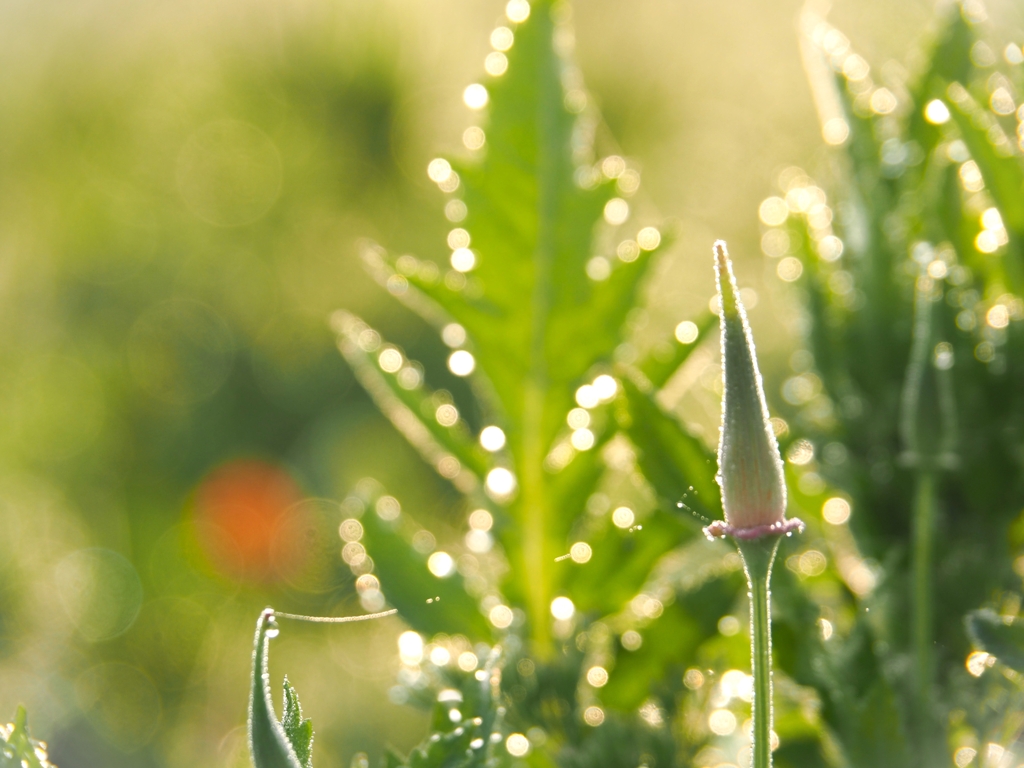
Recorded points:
121,703
100,591
304,547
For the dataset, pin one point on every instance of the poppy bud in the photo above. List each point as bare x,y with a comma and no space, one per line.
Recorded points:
750,469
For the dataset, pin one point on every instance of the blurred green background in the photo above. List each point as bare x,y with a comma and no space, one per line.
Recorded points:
182,187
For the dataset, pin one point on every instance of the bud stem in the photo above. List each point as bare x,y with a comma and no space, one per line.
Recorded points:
758,556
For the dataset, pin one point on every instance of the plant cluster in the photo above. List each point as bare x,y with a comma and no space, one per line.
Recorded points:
584,620
581,617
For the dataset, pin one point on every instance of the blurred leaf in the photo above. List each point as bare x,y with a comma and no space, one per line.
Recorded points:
463,721
17,748
1000,167
533,215
571,486
949,61
621,560
532,228
661,363
428,603
858,703
622,740
298,731
1003,638
411,408
269,743
670,642
677,463
800,737
391,758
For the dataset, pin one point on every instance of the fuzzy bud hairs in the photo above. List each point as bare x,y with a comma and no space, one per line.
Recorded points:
750,470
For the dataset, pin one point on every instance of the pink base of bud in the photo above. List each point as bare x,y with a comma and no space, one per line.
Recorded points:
721,529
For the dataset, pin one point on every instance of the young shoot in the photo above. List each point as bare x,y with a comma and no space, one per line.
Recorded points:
288,742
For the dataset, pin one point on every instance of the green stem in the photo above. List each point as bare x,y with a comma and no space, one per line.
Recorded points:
758,556
537,558
923,598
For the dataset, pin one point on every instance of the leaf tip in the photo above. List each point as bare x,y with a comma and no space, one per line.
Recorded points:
725,279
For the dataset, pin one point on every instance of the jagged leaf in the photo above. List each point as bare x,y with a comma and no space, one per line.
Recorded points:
428,603
543,261
531,227
298,730
621,740
395,384
18,749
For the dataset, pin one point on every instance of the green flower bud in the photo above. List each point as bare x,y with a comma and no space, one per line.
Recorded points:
750,469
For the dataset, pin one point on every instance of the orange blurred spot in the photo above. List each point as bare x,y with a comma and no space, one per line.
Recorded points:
238,509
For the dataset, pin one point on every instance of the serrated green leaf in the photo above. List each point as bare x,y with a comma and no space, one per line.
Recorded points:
18,749
569,487
428,603
269,745
535,203
299,731
675,462
411,409
1003,638
532,228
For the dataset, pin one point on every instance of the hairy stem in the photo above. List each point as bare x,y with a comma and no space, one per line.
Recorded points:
758,555
761,662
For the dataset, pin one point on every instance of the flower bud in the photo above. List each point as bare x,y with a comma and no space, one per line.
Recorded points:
750,469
